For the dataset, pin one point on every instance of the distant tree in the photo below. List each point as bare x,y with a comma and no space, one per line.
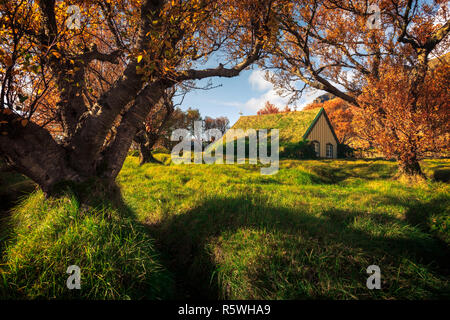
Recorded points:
176,121
286,109
158,127
269,108
220,123
191,116
154,127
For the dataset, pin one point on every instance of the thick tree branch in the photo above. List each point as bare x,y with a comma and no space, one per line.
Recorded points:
132,120
31,150
220,71
95,124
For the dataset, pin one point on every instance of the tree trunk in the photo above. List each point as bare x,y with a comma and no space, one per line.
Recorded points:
146,141
31,150
146,156
409,166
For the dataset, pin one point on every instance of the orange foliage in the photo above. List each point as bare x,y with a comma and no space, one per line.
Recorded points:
407,122
331,45
269,108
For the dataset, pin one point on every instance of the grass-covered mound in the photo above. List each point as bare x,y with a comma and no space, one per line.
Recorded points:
42,237
308,232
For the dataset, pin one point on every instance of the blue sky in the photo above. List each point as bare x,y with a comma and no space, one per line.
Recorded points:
246,93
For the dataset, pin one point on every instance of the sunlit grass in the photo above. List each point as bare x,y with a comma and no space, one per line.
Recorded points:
308,232
116,255
226,231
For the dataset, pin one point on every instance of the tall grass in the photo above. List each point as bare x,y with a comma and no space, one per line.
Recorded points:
115,253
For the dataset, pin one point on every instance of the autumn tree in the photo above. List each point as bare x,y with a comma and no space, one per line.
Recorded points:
269,108
55,126
286,109
414,123
333,45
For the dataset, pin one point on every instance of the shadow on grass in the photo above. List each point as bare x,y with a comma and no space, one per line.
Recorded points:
204,246
333,174
296,255
13,188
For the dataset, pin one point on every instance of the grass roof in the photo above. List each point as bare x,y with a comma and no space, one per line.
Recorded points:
292,125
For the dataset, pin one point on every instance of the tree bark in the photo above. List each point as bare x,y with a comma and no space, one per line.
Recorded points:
410,166
31,150
115,154
146,142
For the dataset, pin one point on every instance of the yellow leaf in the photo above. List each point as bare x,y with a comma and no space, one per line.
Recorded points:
139,58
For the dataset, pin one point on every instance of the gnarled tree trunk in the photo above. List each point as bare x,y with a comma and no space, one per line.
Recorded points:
146,142
31,150
409,166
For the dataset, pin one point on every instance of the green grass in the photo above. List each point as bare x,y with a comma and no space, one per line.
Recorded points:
292,125
308,232
225,231
115,253
12,187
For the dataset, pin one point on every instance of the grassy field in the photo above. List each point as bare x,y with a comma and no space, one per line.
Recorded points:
225,231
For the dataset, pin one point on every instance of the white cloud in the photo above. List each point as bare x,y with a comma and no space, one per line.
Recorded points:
254,104
258,82
442,14
309,97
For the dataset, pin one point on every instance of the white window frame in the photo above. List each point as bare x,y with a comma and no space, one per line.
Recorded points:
316,145
329,150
